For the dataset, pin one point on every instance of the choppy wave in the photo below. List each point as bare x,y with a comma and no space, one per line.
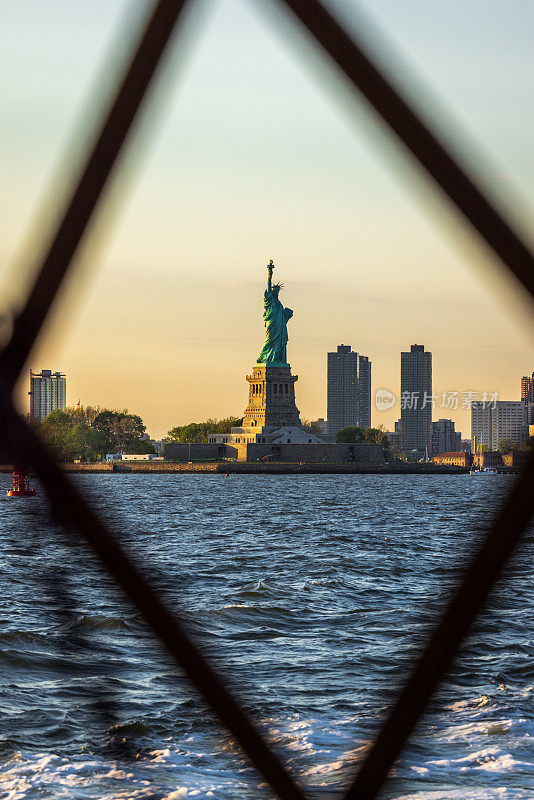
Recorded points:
316,617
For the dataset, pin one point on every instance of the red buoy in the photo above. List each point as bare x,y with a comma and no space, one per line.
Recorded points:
21,484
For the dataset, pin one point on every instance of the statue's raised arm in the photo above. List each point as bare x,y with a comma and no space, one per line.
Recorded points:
270,268
275,317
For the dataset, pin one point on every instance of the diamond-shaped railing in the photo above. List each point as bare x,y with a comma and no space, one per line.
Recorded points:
75,513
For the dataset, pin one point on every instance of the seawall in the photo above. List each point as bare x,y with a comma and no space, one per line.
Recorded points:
259,468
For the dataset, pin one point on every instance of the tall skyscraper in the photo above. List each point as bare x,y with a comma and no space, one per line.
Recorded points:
527,389
48,391
364,392
348,390
342,389
505,419
416,400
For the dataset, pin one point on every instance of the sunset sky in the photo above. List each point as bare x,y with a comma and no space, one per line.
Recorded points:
250,149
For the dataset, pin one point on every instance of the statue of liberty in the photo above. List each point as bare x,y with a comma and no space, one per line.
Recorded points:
275,317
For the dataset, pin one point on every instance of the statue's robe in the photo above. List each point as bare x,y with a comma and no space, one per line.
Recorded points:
275,317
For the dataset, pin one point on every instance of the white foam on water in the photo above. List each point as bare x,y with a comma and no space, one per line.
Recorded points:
468,730
471,793
51,776
160,755
478,702
489,759
325,769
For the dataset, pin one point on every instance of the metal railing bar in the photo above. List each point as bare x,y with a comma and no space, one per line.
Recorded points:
467,601
94,175
72,510
70,506
431,154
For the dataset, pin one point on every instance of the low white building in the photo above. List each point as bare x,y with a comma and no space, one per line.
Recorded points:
133,457
287,434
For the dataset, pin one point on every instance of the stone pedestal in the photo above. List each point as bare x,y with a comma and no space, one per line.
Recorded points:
271,399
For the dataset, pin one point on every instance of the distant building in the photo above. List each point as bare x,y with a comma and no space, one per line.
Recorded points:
157,444
508,423
416,400
481,419
444,438
505,419
395,438
48,391
529,412
459,458
342,389
527,389
364,392
348,390
490,458
527,398
516,458
320,425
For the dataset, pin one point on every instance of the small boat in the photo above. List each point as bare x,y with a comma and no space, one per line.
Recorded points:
21,484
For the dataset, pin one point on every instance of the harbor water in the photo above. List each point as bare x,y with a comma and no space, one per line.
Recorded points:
312,594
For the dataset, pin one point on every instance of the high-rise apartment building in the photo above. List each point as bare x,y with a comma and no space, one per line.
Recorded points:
491,422
342,389
481,419
48,391
364,392
416,400
444,438
527,389
348,390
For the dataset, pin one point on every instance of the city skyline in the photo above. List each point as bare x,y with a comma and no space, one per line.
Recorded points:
434,401
233,166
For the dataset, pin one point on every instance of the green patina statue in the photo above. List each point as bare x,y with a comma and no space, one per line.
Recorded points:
275,316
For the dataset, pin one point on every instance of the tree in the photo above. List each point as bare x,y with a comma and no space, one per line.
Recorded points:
89,433
369,435
199,431
123,431
142,447
376,436
56,430
529,443
350,435
505,445
85,414
70,439
88,443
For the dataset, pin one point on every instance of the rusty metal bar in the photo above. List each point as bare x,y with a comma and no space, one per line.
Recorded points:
72,510
93,178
